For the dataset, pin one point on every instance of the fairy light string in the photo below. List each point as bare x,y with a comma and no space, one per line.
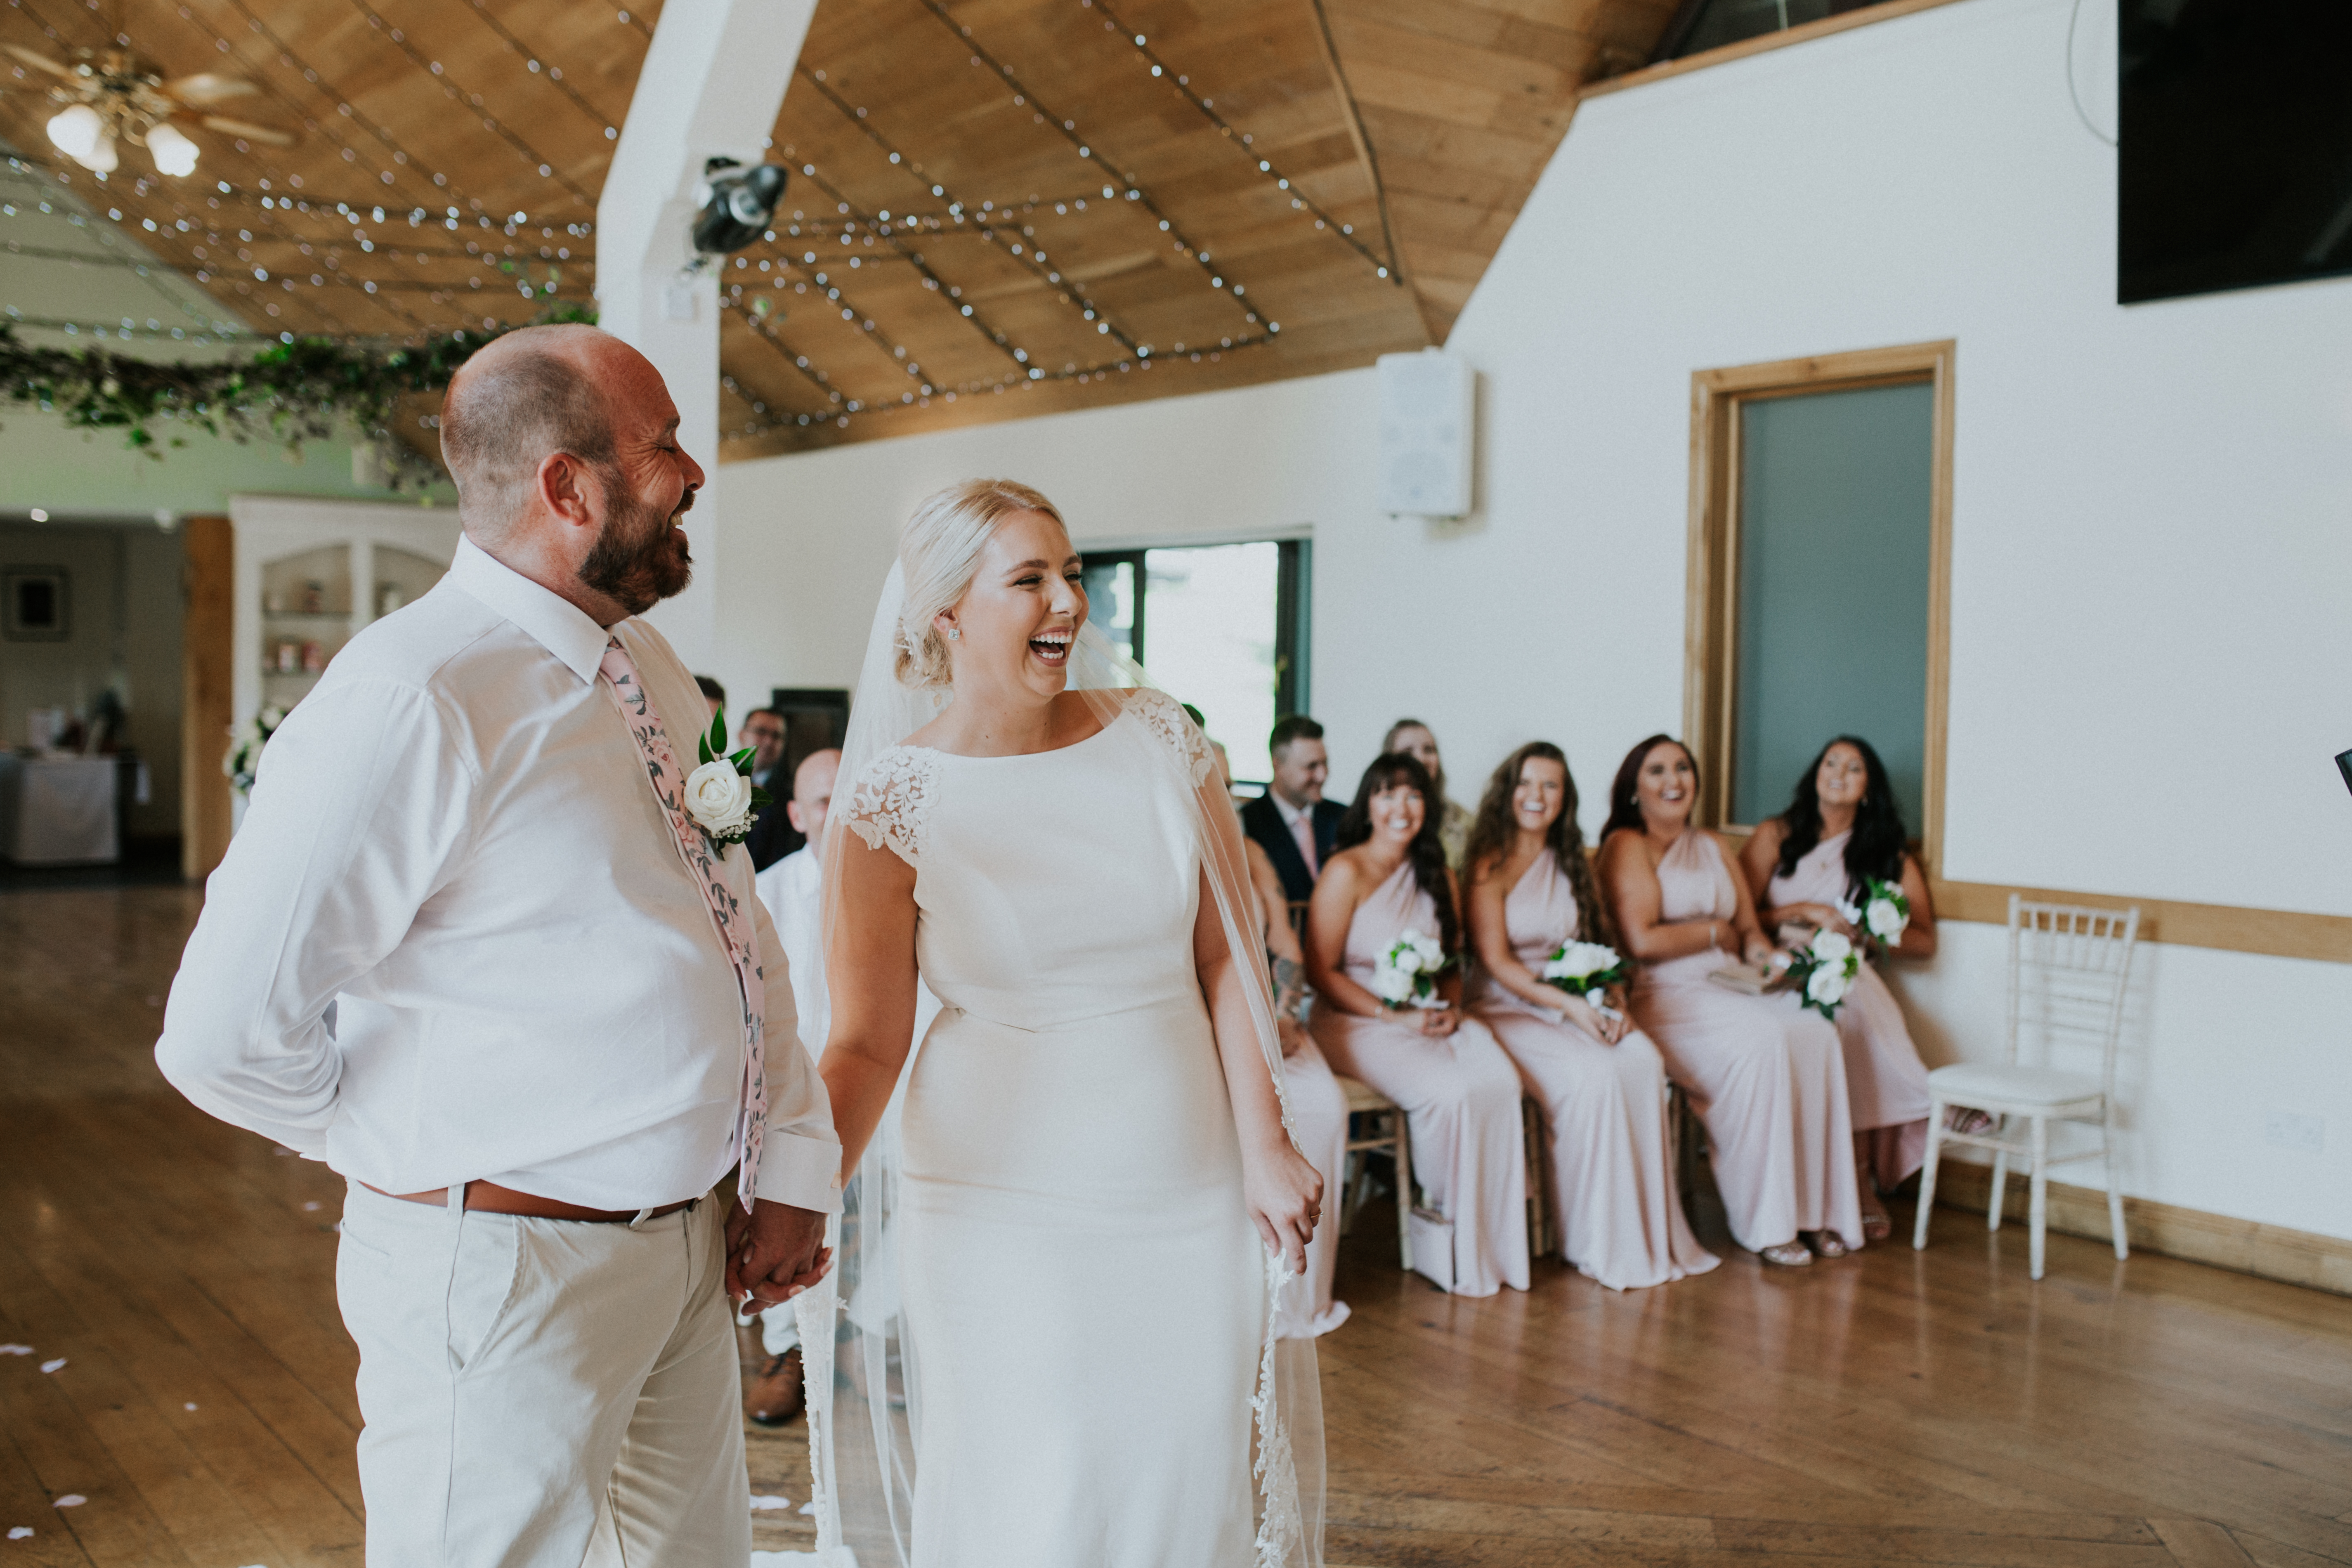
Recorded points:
1299,200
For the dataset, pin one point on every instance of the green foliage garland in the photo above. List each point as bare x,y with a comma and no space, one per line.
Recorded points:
287,393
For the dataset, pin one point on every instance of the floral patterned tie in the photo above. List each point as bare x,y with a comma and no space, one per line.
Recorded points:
704,864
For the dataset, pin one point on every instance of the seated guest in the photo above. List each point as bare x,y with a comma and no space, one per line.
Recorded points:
1811,865
1417,741
1319,1107
714,694
1387,877
1601,1082
1766,1077
1292,821
773,837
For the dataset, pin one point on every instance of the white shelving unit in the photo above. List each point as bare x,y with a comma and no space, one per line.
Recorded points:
311,575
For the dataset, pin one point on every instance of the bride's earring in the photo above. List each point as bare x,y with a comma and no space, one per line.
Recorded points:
954,634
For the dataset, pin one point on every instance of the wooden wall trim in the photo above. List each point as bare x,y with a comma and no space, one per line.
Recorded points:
1766,44
207,686
2250,1246
2233,928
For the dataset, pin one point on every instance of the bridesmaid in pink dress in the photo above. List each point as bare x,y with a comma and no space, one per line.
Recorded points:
1842,829
1766,1077
1601,1082
1459,1091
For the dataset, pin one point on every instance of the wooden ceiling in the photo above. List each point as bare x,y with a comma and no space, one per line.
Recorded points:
996,208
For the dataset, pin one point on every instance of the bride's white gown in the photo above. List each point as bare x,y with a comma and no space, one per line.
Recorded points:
1083,1288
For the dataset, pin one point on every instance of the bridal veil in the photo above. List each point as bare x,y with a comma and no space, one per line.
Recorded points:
865,1409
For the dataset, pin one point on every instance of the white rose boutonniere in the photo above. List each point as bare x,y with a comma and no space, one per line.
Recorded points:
720,795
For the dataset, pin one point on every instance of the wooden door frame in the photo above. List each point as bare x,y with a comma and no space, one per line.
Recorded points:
207,690
1710,633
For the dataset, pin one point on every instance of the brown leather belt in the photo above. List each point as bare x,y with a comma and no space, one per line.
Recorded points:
488,1197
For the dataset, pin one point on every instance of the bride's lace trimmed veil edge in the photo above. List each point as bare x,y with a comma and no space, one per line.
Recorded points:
867,1500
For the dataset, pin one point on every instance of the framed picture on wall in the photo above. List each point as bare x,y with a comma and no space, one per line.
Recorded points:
37,605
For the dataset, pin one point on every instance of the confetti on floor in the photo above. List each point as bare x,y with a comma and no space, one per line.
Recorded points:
15,1349
769,1502
53,1365
71,1499
312,1207
20,1532
809,1507
190,1405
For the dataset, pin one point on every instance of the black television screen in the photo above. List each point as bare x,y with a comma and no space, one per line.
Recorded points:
2235,164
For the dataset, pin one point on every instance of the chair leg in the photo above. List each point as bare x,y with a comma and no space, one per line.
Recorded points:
1999,1190
2115,1197
1403,1192
2037,1209
1927,1173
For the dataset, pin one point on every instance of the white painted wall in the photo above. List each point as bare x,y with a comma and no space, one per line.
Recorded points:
2152,527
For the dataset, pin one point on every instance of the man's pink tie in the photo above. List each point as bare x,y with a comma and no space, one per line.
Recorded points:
1303,830
704,864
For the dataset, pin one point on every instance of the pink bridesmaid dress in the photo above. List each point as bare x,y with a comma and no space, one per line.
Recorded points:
1621,1220
1885,1081
1766,1077
1318,1119
1460,1095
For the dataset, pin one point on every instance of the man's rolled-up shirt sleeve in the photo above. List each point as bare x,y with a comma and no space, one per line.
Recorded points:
800,1158
359,814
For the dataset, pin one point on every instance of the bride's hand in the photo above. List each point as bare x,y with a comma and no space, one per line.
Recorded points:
1285,1198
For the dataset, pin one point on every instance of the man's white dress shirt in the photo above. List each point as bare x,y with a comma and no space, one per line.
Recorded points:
454,843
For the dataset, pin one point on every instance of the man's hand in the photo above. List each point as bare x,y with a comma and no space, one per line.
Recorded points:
774,1253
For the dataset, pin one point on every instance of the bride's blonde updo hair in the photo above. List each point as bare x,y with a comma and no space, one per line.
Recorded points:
939,555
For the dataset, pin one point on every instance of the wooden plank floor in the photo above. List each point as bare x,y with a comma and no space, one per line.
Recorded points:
1898,1408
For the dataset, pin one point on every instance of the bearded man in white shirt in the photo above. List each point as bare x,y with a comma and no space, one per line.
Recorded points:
551,989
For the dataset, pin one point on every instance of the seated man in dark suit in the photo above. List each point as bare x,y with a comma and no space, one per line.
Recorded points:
773,837
1292,821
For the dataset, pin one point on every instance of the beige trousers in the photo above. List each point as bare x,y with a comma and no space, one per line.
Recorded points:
544,1393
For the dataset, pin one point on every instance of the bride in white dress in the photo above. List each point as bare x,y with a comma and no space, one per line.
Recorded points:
1059,1272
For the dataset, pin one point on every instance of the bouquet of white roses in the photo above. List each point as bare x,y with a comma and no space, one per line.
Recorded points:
243,764
720,795
1823,970
1883,914
1406,975
1583,968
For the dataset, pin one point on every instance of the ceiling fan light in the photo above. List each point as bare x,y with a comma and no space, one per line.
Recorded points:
75,131
173,154
102,158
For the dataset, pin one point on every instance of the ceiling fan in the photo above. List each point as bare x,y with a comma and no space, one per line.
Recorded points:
110,96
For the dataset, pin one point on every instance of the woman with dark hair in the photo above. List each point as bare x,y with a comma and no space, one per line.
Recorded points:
1386,879
1601,1082
1811,866
1766,1077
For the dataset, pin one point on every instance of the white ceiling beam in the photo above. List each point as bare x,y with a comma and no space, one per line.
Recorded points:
712,85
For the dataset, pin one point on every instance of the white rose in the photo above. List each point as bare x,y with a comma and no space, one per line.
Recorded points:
1391,983
1885,921
1830,948
1826,985
1432,955
1405,960
718,798
1583,958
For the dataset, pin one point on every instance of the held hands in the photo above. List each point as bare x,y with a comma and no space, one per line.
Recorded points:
1602,1027
774,1253
1436,1022
1285,1198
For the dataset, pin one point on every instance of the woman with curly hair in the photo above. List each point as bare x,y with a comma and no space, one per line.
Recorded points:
1811,866
1600,1080
1386,879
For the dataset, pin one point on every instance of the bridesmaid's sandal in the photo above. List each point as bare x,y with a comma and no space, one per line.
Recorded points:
1876,1224
1827,1244
1787,1255
1963,1118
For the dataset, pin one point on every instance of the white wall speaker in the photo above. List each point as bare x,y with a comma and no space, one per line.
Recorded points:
1428,409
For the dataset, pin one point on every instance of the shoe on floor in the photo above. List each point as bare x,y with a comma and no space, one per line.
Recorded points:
775,1393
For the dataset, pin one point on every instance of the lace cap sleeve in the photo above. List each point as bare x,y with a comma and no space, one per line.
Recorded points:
890,802
1166,718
